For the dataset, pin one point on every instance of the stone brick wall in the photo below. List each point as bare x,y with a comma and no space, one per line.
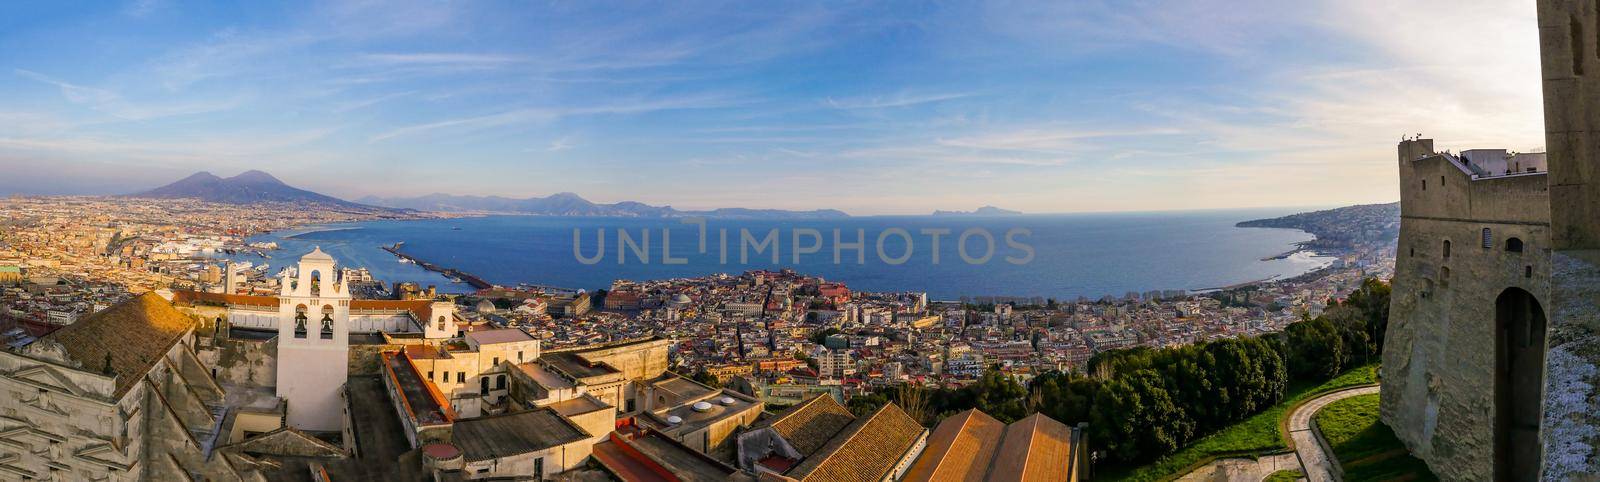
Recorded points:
1439,357
1569,44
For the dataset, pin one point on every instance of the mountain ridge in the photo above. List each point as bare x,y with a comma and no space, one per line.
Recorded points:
249,187
572,204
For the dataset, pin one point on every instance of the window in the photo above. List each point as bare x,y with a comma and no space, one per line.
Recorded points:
1444,276
1527,271
519,357
1488,239
461,377
1424,184
1413,252
430,374
1514,245
1446,249
500,382
1441,180
496,361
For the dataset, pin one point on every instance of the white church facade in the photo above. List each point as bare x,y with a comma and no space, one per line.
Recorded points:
314,317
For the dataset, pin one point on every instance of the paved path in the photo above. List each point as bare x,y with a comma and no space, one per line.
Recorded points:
1308,457
1312,458
1241,469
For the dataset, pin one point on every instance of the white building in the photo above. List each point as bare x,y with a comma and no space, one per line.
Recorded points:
314,317
313,342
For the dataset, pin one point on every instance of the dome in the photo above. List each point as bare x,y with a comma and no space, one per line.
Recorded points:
701,407
485,306
680,298
674,420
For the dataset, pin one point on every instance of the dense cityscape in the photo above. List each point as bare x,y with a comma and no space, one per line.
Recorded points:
779,339
1117,241
784,332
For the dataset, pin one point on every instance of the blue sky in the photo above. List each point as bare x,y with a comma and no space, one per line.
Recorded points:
869,107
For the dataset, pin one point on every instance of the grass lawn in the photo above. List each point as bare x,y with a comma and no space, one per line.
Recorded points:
1261,434
1367,449
1284,476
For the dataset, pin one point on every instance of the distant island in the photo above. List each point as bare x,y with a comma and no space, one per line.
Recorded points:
983,211
570,204
257,187
1346,228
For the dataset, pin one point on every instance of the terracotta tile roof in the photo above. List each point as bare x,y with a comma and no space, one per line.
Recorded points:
1035,449
960,448
421,309
866,450
192,298
136,333
810,424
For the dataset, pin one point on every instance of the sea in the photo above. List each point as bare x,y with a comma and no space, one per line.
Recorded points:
1062,256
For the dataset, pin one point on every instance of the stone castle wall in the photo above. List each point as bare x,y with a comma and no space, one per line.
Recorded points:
1439,357
1569,44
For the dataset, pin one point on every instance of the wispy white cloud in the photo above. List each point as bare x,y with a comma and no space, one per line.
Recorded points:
442,58
1046,140
561,144
143,8
114,104
535,115
1202,103
364,103
898,100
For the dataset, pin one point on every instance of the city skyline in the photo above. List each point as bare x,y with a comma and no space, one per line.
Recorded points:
876,109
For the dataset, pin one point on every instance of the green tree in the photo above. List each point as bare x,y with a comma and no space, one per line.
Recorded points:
1137,418
1316,349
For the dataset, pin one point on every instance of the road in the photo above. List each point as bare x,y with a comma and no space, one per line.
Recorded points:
1308,456
1313,459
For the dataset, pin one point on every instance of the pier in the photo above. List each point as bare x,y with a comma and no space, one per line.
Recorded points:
469,278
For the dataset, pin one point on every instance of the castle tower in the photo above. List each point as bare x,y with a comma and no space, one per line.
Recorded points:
230,278
313,342
1569,39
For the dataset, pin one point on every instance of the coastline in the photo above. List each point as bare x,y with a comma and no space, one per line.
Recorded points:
1050,285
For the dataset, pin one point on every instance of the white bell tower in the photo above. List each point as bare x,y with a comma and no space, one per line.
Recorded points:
313,342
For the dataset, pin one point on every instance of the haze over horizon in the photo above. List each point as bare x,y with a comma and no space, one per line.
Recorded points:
867,108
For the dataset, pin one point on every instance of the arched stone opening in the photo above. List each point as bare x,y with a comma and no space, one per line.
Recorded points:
1519,384
300,321
327,322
